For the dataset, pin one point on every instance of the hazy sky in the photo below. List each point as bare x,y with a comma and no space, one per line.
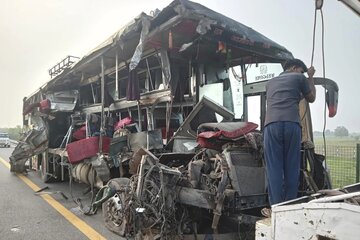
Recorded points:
36,34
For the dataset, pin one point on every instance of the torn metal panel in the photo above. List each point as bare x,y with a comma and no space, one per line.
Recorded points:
99,163
136,159
144,33
64,101
147,139
203,112
145,22
33,143
184,145
223,27
146,99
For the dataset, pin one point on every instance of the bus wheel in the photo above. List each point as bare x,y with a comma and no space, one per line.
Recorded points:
47,172
114,210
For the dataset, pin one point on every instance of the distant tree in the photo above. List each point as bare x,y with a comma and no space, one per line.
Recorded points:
328,132
317,133
341,131
14,133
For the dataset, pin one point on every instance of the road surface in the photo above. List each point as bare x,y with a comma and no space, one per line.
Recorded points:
25,215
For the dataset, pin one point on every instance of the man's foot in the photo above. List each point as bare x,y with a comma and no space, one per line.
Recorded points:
266,212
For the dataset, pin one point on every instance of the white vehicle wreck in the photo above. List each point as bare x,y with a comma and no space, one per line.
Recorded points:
156,121
328,214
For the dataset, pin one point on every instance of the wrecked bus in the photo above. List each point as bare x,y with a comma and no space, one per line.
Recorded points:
163,120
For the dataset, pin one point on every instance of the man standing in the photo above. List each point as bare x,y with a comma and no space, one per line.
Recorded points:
282,133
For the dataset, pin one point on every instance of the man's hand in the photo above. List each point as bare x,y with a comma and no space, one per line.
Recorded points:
312,94
311,71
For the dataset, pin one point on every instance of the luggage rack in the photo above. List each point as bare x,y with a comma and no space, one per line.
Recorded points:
62,65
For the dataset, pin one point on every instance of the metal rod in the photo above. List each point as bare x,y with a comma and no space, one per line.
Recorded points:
116,77
262,110
246,109
191,88
168,119
141,177
336,198
62,167
92,91
149,119
87,134
148,71
139,116
357,162
102,122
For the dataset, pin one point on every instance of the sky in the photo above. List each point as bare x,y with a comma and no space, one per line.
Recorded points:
36,34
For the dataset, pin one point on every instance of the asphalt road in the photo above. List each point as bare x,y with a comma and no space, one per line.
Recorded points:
25,215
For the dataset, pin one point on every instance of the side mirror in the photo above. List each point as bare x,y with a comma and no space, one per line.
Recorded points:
332,94
332,101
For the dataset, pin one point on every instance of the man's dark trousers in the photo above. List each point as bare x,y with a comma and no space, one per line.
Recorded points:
282,143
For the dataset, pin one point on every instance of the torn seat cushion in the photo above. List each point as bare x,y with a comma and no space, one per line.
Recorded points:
214,135
86,148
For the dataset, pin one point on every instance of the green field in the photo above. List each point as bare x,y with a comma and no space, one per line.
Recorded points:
341,158
336,141
342,171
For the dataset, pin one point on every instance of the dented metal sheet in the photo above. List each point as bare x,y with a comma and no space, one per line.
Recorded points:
33,143
316,221
64,101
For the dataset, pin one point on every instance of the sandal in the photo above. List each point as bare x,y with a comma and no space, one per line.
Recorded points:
266,212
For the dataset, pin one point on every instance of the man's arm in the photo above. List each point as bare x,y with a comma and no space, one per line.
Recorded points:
310,97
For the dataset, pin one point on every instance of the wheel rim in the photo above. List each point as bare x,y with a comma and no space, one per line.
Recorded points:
115,210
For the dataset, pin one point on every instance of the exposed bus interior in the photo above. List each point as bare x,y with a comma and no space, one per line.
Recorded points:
167,113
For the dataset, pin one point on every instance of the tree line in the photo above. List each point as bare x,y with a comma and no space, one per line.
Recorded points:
339,131
14,133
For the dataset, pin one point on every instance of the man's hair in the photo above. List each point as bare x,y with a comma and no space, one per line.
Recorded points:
295,63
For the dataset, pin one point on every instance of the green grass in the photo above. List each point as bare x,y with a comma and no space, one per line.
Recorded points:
340,157
342,170
336,141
